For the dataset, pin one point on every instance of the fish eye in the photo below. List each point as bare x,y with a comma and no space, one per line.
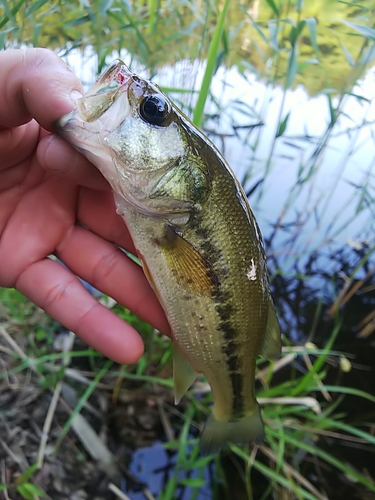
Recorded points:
155,110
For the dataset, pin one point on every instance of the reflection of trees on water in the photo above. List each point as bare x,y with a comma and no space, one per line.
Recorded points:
321,286
183,30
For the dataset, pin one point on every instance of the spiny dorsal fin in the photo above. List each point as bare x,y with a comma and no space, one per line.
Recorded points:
272,343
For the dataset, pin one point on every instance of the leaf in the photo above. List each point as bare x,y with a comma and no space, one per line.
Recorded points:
368,55
258,29
202,462
359,98
78,21
295,32
85,396
272,28
29,491
348,55
332,110
352,4
347,390
311,26
35,6
10,13
193,482
360,28
152,15
274,7
105,6
25,476
24,493
36,33
292,66
210,66
34,490
282,126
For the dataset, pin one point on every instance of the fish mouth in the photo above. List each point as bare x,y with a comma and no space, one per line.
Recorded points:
117,75
90,117
100,97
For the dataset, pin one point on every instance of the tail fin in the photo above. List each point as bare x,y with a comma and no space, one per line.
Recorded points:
244,430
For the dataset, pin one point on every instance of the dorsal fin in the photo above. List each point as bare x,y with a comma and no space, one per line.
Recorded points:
272,343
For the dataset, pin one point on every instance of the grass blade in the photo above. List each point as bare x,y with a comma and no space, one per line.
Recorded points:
365,31
210,66
82,402
282,126
10,13
273,7
311,26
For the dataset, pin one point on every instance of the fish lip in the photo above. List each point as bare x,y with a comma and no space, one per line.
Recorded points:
114,81
116,76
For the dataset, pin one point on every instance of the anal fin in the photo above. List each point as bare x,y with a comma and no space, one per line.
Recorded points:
183,373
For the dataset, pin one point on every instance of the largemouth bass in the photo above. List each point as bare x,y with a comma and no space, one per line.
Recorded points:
197,239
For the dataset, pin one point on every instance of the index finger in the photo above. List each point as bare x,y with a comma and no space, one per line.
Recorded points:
35,83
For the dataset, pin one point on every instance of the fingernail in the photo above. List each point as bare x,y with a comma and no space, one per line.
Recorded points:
75,95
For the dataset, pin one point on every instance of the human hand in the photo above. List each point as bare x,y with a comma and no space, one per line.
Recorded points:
46,187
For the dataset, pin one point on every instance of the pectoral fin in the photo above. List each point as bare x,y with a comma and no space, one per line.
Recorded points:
188,267
183,373
149,277
272,343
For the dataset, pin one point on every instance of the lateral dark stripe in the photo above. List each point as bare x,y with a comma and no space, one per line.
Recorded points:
230,350
225,310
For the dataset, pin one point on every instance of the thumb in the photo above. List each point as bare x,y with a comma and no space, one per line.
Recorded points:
35,83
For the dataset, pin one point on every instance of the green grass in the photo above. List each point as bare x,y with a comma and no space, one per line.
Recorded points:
211,65
290,428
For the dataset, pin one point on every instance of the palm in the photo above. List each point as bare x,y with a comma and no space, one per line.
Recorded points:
45,188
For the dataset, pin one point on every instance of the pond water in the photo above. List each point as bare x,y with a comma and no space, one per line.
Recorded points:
347,164
154,466
322,198
325,203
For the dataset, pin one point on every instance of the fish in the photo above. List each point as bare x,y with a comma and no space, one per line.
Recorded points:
197,239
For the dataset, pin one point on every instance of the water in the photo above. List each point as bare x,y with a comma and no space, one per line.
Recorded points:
154,466
325,230
324,200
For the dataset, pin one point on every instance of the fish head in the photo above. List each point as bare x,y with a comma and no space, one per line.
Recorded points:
131,131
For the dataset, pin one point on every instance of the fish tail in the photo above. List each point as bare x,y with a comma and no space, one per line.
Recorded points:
243,430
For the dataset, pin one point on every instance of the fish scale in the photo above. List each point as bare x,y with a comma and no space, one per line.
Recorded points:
196,236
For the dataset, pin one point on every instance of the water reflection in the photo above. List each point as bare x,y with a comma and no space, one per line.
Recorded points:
315,209
257,36
326,196
154,466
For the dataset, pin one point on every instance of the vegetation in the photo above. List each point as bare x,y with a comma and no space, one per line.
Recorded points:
317,400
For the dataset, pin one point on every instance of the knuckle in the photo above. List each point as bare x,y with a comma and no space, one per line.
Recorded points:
105,267
55,294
